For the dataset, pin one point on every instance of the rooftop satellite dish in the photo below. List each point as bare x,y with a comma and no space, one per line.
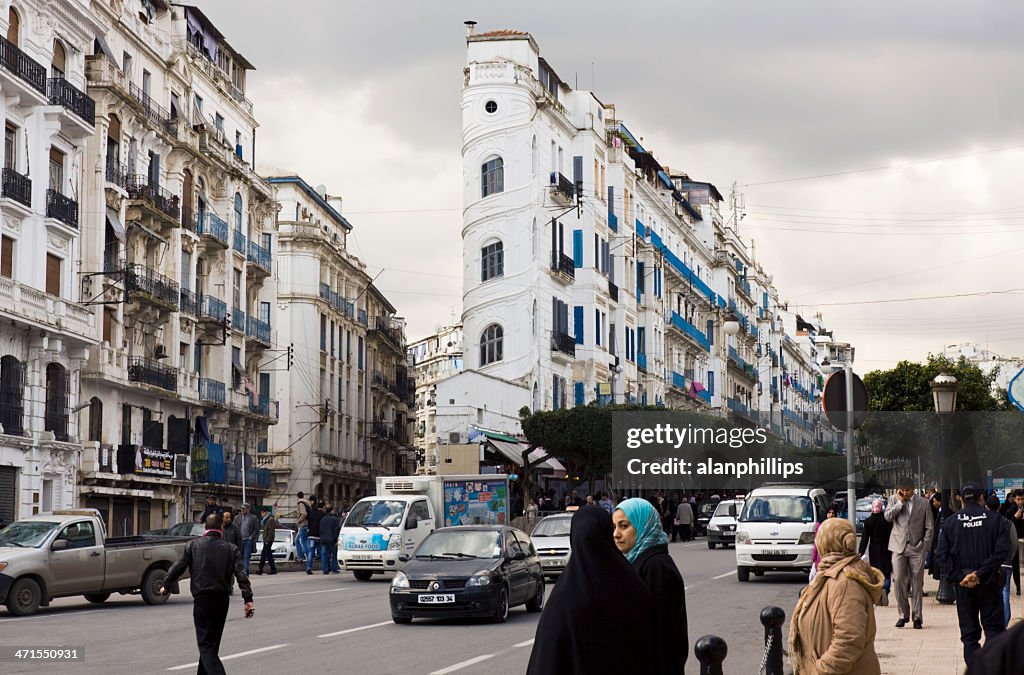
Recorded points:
322,190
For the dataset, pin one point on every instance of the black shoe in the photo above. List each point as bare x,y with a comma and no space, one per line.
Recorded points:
918,623
309,571
901,623
272,572
259,572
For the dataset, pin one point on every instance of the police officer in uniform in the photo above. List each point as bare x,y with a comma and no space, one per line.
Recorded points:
972,547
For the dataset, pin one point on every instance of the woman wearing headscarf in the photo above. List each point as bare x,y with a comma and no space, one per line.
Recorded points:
833,625
875,540
599,603
640,536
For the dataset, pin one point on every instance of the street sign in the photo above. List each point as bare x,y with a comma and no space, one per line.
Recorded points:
1016,390
833,400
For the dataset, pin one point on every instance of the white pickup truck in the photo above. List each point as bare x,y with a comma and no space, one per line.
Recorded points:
391,524
65,553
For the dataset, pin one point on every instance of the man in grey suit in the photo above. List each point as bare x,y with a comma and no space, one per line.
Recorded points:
912,524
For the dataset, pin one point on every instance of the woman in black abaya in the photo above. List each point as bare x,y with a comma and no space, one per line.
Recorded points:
599,617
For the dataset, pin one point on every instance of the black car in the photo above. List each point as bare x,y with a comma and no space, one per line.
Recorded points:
468,571
707,509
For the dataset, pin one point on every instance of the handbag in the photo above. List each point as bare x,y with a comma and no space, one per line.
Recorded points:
675,521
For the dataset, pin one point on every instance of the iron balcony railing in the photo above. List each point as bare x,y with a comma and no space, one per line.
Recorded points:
117,174
22,65
63,93
264,407
613,291
563,186
563,342
139,278
384,430
361,317
257,329
211,390
156,113
259,255
189,303
563,264
238,320
12,418
139,187
17,187
148,371
64,209
214,226
383,327
238,241
212,308
678,380
689,329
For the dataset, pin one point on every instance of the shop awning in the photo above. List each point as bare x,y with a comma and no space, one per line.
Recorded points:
114,220
512,451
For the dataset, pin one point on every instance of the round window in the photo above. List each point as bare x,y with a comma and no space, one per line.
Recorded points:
491,107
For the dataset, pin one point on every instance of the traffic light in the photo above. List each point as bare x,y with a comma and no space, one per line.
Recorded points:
291,355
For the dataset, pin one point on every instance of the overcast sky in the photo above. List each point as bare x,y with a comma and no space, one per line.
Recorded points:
365,98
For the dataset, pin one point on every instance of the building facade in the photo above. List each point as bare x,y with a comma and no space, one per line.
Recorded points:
432,359
46,332
176,270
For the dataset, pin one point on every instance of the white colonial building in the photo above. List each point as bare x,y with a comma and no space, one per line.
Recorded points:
432,360
44,332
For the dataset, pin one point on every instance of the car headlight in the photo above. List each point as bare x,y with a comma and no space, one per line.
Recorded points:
713,528
742,537
395,542
806,538
481,579
3,566
400,580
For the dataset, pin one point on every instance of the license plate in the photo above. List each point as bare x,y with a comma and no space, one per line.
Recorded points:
442,599
552,563
362,557
773,551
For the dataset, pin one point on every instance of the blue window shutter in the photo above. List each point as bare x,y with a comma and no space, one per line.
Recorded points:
711,383
577,248
578,392
577,169
711,332
597,326
577,319
641,341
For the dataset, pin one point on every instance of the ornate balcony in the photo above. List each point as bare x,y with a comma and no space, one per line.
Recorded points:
63,93
212,391
563,342
22,66
213,229
153,373
143,283
17,187
563,266
155,197
64,209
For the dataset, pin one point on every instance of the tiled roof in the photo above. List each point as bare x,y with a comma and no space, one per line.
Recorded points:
501,33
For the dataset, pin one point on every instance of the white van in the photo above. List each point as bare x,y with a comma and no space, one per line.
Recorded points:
775,529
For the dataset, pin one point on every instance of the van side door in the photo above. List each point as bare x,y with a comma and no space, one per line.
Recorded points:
420,510
76,565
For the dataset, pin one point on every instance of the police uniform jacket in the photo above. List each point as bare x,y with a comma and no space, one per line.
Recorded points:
972,540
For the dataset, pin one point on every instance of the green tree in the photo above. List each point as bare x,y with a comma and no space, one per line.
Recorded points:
907,387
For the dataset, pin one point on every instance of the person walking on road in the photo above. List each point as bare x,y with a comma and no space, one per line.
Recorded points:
268,527
640,537
684,521
302,522
972,546
248,527
330,529
211,563
875,541
233,536
939,513
599,618
912,525
833,625
211,507
313,546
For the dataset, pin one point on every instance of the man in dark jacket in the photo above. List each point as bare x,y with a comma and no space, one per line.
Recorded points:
269,530
330,529
211,507
211,562
233,535
315,515
972,546
1016,515
248,526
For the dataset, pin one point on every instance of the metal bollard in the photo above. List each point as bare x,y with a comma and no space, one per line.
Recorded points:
772,619
710,651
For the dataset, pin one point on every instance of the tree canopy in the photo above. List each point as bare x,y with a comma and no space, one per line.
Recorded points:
907,387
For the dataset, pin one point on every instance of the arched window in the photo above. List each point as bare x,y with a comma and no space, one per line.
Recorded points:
490,344
57,401
59,64
238,212
12,390
492,261
14,27
96,420
492,177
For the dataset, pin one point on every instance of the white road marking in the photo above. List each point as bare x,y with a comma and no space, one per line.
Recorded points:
355,630
524,644
48,615
462,664
722,576
232,656
286,595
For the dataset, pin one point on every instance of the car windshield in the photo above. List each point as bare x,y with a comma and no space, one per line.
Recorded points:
280,537
723,509
26,534
778,509
461,544
185,530
379,512
552,527
707,508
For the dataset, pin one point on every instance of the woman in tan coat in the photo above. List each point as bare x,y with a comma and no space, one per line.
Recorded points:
833,626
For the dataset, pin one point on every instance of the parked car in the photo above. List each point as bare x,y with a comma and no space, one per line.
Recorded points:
707,509
185,530
468,571
66,553
722,526
283,548
551,537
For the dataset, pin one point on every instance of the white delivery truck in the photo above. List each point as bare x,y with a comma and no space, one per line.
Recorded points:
406,509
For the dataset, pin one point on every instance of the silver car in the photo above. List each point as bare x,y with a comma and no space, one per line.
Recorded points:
551,539
283,548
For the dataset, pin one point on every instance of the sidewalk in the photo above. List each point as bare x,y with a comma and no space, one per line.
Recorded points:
936,649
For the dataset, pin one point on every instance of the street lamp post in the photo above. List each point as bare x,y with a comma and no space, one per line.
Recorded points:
944,388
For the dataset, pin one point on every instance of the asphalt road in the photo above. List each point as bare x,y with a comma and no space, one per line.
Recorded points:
304,623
